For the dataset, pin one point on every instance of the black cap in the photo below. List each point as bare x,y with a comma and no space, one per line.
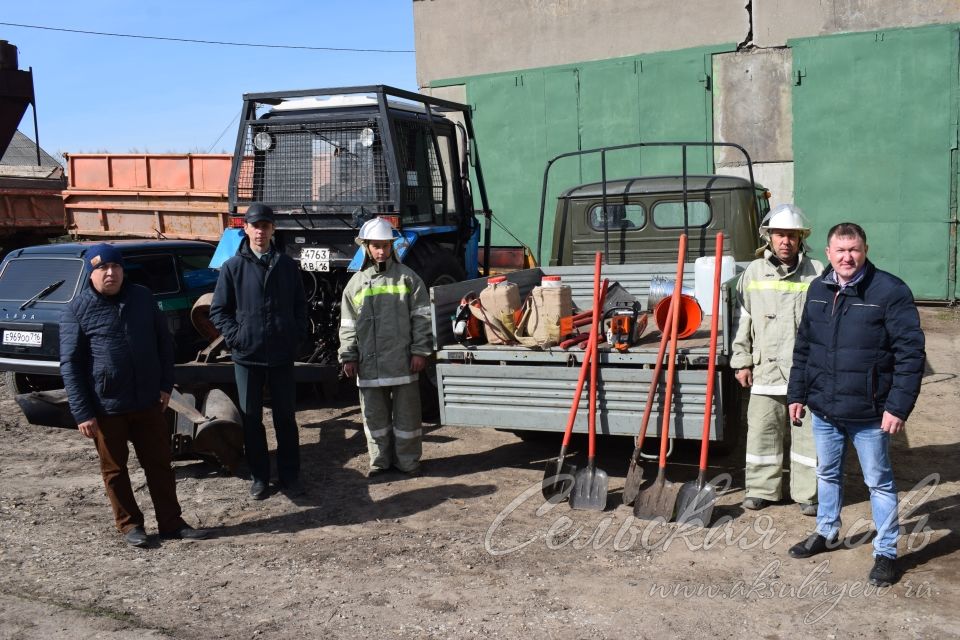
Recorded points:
258,213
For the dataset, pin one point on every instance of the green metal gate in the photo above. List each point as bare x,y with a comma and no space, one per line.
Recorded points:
522,119
874,141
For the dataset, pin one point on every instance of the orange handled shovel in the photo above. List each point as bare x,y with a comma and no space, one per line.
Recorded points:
660,498
631,486
696,499
558,477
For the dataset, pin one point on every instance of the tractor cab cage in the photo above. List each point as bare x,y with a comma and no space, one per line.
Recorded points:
603,151
351,153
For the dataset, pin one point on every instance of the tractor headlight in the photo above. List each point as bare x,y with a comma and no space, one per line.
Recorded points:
367,137
263,141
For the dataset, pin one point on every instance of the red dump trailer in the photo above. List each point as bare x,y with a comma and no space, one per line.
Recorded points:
141,195
31,210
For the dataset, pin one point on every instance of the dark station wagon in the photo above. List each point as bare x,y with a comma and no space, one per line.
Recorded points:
37,283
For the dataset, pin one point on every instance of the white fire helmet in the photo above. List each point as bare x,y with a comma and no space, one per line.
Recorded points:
785,216
376,229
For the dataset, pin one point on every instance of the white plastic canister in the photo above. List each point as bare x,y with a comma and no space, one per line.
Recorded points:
703,279
550,281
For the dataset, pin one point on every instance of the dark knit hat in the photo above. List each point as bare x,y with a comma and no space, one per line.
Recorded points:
103,253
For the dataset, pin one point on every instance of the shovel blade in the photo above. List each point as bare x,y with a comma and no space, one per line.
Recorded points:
590,490
695,503
633,482
558,481
658,500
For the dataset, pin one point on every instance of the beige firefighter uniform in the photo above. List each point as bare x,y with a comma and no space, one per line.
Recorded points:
384,320
771,297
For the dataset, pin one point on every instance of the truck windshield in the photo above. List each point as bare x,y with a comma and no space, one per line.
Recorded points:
22,278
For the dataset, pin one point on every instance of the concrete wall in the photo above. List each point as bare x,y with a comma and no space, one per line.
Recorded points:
752,85
751,104
457,38
776,21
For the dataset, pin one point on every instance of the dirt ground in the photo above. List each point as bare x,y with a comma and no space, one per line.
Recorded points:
469,549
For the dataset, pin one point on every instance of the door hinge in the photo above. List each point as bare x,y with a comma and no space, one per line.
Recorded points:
798,76
706,81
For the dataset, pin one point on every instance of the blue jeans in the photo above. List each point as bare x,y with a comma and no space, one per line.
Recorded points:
250,383
872,445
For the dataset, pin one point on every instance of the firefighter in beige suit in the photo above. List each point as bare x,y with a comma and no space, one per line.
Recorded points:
771,293
385,340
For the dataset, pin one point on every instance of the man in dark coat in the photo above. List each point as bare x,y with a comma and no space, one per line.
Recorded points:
116,359
260,308
857,364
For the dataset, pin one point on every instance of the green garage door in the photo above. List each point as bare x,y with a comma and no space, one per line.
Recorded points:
874,140
523,119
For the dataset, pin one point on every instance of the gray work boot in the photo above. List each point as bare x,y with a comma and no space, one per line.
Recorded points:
755,504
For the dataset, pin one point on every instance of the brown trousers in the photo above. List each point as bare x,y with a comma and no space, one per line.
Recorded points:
148,432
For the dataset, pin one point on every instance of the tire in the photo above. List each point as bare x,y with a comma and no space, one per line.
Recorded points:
435,266
17,383
734,442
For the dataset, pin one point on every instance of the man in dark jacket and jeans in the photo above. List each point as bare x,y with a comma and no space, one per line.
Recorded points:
260,308
116,359
857,363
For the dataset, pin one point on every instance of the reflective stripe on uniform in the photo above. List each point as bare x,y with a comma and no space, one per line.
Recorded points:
806,461
407,435
774,459
379,433
387,382
422,311
383,289
349,324
777,285
769,389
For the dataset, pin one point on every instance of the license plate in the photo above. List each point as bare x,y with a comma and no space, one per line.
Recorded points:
23,338
312,259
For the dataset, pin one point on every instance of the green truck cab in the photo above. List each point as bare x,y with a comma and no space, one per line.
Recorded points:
645,216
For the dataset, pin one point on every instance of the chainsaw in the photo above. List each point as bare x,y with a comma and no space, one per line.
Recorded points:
624,323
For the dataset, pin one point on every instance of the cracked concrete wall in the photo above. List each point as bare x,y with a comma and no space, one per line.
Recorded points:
776,21
458,38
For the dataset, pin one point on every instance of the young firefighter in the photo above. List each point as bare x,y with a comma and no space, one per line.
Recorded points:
385,340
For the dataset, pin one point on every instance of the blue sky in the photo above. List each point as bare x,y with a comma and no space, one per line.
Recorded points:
99,93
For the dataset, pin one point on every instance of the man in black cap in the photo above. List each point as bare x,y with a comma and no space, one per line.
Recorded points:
116,359
260,308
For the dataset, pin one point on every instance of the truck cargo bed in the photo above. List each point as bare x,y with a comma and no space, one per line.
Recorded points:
520,388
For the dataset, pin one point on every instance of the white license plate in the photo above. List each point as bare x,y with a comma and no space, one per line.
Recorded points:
312,259
23,338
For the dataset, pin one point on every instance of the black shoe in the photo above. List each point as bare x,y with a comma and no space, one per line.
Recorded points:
373,472
884,572
813,545
292,488
186,532
136,537
259,489
755,504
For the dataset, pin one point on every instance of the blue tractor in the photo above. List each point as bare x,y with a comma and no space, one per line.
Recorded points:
328,160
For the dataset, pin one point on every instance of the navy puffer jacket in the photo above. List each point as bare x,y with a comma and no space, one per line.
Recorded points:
116,352
261,310
859,351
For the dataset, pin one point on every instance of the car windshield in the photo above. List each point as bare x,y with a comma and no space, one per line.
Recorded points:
24,277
